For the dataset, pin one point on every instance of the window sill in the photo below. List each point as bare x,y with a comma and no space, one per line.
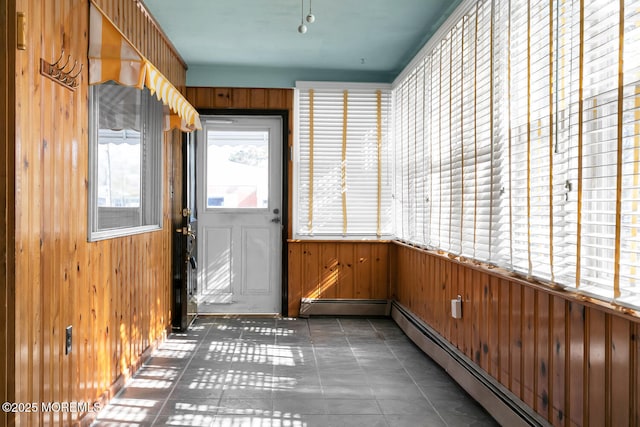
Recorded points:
121,232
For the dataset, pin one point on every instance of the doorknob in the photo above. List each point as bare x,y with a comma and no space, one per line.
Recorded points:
186,231
276,220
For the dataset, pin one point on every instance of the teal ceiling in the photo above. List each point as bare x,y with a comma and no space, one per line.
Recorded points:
256,42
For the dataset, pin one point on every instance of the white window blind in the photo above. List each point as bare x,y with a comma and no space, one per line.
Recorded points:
343,161
599,147
519,119
484,171
517,142
501,76
467,124
456,201
630,179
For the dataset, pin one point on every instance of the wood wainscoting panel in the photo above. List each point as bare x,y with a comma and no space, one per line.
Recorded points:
115,293
337,269
572,361
7,202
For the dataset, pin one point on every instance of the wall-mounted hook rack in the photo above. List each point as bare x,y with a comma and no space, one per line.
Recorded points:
56,71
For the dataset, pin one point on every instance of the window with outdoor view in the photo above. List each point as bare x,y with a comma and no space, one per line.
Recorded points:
125,161
517,142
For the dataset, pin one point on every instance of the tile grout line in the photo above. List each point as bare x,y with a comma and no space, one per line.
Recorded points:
184,369
373,394
412,379
315,359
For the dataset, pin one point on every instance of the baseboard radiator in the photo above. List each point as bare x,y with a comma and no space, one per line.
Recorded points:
501,403
344,307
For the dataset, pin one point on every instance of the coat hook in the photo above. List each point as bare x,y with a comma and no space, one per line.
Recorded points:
62,67
59,59
72,68
78,73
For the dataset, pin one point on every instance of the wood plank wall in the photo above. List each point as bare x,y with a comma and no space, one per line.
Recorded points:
575,363
215,98
116,294
7,201
316,269
337,269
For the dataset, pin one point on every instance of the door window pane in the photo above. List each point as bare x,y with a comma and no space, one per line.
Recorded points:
237,169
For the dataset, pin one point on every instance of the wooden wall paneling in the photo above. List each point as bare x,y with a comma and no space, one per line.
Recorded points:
493,326
572,362
481,349
28,221
621,379
529,329
199,96
505,332
295,277
485,330
596,364
422,291
241,97
222,97
468,312
575,364
542,322
399,259
275,98
379,270
515,326
475,305
337,270
313,276
7,201
258,98
635,419
558,361
333,266
420,288
348,257
61,279
403,290
451,331
442,311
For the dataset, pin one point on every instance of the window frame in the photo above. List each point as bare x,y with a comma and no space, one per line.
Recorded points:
387,158
152,152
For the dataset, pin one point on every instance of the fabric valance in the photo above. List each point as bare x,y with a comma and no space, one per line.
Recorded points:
114,58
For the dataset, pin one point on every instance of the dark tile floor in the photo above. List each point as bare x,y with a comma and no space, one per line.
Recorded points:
292,372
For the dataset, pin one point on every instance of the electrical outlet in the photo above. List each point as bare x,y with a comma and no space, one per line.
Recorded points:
67,340
456,308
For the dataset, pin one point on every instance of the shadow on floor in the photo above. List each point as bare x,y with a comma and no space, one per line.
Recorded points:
292,372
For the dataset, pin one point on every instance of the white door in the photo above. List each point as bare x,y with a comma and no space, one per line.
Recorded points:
239,211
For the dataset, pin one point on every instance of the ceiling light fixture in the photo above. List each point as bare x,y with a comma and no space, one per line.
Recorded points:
310,17
302,28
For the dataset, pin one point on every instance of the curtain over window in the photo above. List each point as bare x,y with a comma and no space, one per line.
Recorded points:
113,58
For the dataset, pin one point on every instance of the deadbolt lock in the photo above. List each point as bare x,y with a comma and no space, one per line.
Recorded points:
186,231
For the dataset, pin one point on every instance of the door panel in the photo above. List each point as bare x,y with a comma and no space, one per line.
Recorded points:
217,282
254,244
185,246
240,181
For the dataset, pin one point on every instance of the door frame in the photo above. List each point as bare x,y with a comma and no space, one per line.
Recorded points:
286,159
